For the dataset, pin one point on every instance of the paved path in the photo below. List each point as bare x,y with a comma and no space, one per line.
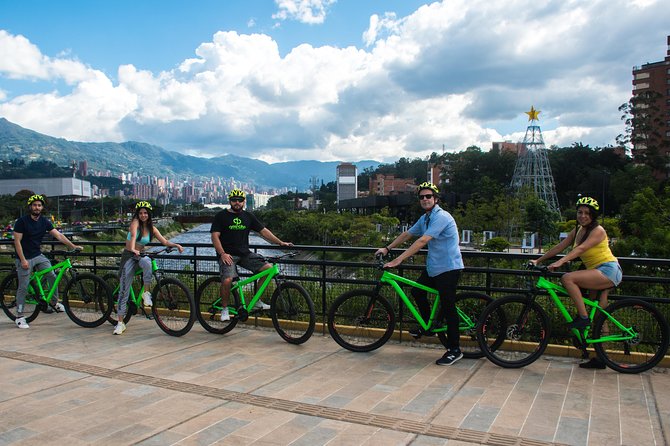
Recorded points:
62,384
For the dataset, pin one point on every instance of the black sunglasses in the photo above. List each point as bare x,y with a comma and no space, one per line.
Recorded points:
426,197
238,200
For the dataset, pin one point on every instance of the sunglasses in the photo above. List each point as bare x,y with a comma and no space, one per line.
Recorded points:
426,197
236,200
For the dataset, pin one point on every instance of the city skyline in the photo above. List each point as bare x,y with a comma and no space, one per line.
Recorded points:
323,79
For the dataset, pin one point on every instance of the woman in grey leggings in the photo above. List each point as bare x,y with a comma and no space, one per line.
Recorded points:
140,233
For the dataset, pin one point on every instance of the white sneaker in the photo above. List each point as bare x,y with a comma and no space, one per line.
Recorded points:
146,297
225,315
260,305
21,322
120,328
58,308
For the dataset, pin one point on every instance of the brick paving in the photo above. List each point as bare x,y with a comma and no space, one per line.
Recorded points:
70,385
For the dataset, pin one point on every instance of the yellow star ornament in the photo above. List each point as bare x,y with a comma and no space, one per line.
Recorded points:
532,114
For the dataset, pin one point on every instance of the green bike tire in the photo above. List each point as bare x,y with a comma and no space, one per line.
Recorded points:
8,289
361,321
87,300
633,355
208,307
513,332
292,312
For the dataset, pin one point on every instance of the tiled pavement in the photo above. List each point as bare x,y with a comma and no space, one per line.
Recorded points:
70,385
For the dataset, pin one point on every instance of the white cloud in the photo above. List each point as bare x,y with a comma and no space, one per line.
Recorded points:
455,73
312,12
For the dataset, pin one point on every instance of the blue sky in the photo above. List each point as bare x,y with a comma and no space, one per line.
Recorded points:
323,79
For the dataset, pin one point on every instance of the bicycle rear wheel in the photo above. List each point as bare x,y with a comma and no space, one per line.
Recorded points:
643,351
292,312
8,288
361,321
208,307
470,306
112,281
173,307
87,300
513,331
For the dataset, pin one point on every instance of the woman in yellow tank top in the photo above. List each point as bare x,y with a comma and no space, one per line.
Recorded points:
602,268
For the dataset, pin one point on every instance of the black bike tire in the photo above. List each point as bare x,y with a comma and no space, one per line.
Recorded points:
335,312
158,310
8,289
276,306
204,300
608,355
504,308
131,307
104,303
474,352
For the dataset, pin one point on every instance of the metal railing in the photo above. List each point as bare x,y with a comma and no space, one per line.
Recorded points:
326,272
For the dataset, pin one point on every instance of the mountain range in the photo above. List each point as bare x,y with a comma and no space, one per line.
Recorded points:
147,159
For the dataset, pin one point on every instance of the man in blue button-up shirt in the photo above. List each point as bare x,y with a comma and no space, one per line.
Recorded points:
437,230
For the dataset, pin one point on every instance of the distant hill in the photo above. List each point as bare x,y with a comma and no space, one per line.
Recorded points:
18,142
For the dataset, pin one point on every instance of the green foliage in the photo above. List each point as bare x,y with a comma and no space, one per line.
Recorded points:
496,244
645,225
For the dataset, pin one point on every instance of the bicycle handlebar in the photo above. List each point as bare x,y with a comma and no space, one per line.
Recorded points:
289,254
540,268
61,252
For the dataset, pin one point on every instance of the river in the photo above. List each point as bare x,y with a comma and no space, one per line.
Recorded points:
200,234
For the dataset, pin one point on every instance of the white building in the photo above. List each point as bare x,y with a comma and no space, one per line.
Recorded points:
347,181
50,187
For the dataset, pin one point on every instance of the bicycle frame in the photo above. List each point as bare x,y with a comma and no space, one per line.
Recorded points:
269,273
393,279
36,279
554,290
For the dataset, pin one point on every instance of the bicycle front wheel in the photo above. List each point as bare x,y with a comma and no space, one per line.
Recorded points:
513,331
87,300
208,307
631,354
292,312
470,306
8,288
361,321
173,307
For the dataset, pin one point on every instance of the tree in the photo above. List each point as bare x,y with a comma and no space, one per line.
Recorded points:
539,218
645,225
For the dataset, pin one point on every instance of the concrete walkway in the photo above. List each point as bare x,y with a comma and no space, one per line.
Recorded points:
62,384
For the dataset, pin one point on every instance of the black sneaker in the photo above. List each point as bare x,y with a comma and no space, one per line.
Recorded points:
418,332
450,357
593,363
579,323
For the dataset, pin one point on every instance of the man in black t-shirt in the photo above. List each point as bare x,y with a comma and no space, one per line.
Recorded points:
230,236
29,231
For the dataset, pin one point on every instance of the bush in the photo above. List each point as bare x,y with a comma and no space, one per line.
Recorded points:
496,244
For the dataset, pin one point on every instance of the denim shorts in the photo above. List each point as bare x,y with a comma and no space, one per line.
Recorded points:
611,270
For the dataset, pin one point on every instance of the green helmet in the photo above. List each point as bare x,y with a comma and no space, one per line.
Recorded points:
144,204
588,201
37,197
428,185
237,193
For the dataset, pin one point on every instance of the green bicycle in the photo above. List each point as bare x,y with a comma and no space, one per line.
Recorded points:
291,308
363,320
172,307
86,297
629,336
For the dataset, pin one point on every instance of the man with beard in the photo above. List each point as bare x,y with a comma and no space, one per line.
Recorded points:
436,228
28,233
230,236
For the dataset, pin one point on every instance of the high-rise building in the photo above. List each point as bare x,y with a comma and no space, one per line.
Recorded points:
347,181
655,77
